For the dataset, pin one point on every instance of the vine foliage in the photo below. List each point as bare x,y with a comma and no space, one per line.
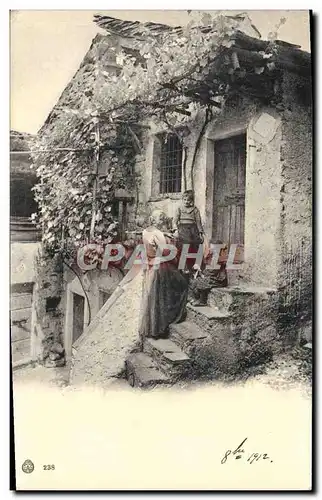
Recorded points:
87,147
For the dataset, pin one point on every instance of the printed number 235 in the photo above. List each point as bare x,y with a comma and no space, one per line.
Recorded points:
48,467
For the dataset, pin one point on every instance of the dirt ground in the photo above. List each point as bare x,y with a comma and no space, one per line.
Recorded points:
284,372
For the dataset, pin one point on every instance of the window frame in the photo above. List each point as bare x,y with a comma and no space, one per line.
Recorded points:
159,191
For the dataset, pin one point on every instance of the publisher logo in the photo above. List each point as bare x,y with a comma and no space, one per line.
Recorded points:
28,466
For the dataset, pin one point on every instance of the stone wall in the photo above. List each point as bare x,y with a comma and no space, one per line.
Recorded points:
47,334
295,278
263,182
148,198
241,332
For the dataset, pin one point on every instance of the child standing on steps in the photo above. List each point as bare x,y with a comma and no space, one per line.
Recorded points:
187,222
188,226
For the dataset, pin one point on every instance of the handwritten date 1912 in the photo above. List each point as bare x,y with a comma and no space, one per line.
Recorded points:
240,453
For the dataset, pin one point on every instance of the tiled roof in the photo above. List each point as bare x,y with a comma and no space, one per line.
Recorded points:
137,29
250,51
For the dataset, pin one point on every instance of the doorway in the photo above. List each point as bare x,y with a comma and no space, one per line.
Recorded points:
229,190
78,316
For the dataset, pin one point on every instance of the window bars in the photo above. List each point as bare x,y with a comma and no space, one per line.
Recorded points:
170,164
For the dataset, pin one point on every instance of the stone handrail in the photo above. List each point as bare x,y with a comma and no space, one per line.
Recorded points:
119,290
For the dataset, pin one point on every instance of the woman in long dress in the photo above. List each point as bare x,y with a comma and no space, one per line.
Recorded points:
165,288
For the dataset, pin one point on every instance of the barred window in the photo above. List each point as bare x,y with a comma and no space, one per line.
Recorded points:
170,164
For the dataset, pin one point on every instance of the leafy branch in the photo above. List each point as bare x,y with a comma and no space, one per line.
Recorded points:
87,148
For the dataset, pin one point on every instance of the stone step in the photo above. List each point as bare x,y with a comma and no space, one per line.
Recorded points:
216,353
192,340
233,299
186,333
209,318
167,349
143,372
172,360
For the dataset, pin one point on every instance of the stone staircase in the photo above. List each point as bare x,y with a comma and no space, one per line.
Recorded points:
165,361
210,341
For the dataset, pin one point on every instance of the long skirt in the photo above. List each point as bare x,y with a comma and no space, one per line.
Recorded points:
165,294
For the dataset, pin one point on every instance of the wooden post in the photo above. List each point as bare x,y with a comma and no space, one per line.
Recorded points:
122,217
97,160
97,154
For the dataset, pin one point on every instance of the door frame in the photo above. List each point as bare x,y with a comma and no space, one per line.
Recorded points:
216,203
73,287
211,138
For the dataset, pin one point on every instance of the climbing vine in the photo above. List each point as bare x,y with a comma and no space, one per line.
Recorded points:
87,148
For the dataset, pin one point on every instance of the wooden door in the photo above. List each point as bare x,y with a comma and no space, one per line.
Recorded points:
229,190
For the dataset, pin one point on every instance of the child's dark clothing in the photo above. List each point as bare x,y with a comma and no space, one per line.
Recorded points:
188,222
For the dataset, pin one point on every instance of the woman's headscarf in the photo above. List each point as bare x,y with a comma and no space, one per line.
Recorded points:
153,237
157,217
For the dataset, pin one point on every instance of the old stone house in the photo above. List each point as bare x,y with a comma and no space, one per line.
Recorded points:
250,167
